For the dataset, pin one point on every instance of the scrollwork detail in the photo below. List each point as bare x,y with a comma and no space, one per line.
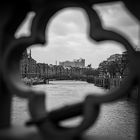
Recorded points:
89,109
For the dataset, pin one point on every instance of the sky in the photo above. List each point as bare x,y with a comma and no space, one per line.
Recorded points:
67,35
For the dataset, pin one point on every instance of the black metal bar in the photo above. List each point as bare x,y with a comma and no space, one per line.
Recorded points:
5,105
66,112
61,114
138,118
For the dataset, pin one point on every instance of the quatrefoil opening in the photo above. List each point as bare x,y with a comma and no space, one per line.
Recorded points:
36,99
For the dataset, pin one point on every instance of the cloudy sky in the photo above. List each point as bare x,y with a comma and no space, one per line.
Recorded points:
68,37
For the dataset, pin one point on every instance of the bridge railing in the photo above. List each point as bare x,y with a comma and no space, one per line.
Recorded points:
44,124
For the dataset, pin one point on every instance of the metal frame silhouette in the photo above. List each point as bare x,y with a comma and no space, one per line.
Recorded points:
12,13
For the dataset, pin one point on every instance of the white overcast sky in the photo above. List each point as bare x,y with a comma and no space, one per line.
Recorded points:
68,37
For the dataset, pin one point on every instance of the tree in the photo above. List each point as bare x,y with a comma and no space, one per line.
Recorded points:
112,68
118,66
103,68
123,63
91,72
89,66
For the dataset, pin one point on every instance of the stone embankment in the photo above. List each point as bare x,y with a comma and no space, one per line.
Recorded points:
35,81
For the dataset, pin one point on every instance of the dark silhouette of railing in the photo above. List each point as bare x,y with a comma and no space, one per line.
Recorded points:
46,124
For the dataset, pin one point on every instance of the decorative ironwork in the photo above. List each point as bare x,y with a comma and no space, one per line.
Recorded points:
12,13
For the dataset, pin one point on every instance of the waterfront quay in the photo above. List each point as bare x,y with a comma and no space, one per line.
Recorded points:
112,83
109,74
117,119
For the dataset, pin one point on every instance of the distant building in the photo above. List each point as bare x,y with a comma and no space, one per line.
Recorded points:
78,63
31,69
24,65
41,69
32,66
27,65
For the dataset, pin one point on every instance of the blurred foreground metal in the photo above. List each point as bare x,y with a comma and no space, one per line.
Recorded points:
46,124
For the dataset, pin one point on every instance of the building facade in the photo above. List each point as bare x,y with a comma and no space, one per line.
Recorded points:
78,63
31,69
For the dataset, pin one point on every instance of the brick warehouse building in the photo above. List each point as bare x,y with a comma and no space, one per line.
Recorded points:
28,67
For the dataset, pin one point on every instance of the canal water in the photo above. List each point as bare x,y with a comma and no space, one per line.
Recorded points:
117,119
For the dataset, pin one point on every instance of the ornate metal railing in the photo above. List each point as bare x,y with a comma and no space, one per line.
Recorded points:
46,124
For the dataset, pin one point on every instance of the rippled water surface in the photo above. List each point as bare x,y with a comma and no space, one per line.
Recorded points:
117,119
